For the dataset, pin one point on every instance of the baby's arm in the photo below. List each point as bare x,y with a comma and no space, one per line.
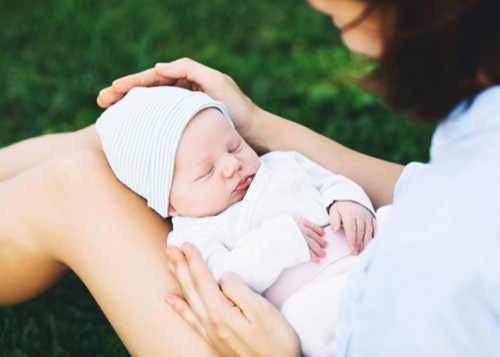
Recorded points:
258,256
347,203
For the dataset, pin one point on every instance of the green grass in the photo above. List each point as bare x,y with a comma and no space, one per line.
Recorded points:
56,55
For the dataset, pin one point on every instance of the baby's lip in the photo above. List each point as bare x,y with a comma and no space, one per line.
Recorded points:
244,183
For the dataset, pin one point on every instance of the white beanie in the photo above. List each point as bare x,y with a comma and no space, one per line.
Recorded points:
140,135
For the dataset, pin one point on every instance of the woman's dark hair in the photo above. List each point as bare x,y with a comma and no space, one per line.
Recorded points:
436,53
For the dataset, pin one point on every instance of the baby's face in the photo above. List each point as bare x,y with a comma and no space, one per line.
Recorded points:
213,167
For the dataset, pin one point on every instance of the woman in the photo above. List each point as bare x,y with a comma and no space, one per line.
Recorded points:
428,284
127,274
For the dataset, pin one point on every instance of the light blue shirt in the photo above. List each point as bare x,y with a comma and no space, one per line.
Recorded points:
429,284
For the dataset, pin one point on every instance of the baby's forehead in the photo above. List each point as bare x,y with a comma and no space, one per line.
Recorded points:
208,121
209,130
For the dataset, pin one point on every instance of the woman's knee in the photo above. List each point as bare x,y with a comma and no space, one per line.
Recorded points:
87,138
81,170
86,186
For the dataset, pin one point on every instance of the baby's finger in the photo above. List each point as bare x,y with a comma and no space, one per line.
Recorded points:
374,227
309,233
368,235
314,227
360,234
315,248
335,219
313,257
350,234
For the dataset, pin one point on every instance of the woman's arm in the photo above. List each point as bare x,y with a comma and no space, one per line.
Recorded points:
377,177
263,130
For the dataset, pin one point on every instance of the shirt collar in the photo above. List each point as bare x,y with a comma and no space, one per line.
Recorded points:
482,116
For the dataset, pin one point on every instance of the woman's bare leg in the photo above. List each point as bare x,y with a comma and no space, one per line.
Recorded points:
71,211
26,154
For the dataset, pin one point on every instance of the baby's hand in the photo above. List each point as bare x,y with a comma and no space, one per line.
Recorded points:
359,224
313,235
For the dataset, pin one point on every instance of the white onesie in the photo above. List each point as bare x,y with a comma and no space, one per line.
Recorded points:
258,238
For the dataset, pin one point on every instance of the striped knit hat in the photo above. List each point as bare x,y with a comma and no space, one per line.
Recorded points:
140,135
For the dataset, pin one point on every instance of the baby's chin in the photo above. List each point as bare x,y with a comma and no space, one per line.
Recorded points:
234,200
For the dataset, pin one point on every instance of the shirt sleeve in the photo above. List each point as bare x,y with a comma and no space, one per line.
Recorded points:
333,187
405,179
258,256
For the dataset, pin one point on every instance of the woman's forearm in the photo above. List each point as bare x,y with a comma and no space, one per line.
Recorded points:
377,177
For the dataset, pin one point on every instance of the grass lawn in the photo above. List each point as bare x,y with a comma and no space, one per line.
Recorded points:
57,55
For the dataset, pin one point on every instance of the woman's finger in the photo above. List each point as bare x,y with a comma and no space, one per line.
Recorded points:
147,78
182,308
183,275
205,286
244,299
192,71
121,86
108,96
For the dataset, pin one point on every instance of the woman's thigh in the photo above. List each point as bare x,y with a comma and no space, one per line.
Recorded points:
72,212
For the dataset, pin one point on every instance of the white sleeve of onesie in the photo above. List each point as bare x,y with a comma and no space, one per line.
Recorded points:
333,187
258,256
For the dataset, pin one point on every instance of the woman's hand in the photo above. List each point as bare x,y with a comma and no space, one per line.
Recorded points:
232,318
186,73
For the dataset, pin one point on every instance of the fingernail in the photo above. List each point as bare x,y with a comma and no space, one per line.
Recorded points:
184,247
163,65
171,267
170,301
336,228
169,253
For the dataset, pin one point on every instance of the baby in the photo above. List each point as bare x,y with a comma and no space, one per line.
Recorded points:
179,150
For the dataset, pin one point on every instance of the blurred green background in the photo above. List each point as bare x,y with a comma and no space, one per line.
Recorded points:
57,54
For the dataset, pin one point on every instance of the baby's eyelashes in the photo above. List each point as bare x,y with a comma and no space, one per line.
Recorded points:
236,148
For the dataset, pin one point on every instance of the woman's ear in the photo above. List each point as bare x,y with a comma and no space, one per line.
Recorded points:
171,211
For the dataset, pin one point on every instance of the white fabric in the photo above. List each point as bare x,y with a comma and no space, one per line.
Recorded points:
140,135
316,328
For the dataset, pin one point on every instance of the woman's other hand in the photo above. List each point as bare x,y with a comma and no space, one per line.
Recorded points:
232,318
186,73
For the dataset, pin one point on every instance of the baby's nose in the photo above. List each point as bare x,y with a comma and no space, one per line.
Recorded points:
232,165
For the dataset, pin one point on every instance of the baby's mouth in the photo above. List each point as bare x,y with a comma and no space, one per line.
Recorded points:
244,183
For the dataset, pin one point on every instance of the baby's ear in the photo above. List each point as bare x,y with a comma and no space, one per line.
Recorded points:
171,211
